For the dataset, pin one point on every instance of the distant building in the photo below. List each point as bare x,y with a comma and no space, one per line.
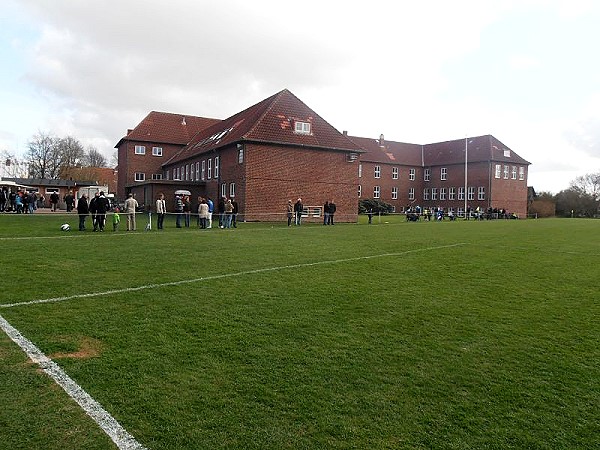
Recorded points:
280,150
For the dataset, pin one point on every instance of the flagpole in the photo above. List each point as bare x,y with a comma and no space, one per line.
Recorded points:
466,165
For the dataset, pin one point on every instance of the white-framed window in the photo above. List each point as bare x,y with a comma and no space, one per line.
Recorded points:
240,154
427,175
140,176
197,170
452,193
471,193
461,193
498,172
394,193
167,174
394,173
203,173
443,173
156,151
216,167
209,169
52,190
426,194
301,127
187,172
506,170
443,193
359,191
157,176
182,173
411,193
513,174
376,191
359,170
232,190
377,172
412,174
433,193
460,212
481,193
140,150
521,173
223,189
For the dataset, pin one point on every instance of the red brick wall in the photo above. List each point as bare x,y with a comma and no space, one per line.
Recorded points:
368,182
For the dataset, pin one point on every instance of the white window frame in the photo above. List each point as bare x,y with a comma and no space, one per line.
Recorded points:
471,193
411,193
442,194
140,176
433,193
481,193
240,154
377,172
394,193
203,174
443,174
157,151
359,191
209,169
187,172
461,193
376,191
395,172
513,174
302,127
157,176
521,173
426,194
412,174
216,167
223,189
232,190
197,170
506,170
140,150
360,171
427,175
452,193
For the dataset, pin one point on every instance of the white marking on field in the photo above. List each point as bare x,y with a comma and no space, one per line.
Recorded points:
226,275
92,408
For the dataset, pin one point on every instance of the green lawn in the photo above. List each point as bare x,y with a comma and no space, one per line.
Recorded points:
453,335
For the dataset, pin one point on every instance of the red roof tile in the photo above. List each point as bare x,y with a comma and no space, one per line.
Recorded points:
391,152
480,148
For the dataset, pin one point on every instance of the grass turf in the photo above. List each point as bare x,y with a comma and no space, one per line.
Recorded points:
390,335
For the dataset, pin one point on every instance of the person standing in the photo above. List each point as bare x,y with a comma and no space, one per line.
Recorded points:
178,210
93,209
116,219
290,212
83,210
69,201
161,210
298,208
228,214
235,213
130,206
211,209
203,213
326,213
187,210
332,209
102,207
221,211
54,200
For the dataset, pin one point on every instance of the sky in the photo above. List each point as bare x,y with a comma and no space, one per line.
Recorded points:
425,71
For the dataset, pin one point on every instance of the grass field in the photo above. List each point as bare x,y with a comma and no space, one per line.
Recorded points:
453,335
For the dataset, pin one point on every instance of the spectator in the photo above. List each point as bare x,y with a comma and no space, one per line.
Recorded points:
161,210
54,200
298,209
130,207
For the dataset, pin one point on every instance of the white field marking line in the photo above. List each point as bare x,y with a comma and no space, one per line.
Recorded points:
226,275
92,408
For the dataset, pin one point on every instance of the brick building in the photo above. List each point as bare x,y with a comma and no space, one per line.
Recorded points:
280,149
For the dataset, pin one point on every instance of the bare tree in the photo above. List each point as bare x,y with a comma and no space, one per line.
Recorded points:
42,157
588,184
93,158
71,154
12,167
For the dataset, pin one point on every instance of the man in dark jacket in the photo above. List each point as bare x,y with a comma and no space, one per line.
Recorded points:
83,210
298,208
332,209
102,207
93,208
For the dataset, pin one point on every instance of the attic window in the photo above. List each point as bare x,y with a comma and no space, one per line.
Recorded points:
302,127
506,153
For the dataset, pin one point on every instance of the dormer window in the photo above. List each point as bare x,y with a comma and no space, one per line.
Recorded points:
302,127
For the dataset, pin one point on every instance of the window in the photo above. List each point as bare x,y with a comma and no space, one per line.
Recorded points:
513,174
359,191
232,189
140,176
481,193
461,193
157,176
443,173
156,151
209,174
471,193
203,170
187,172
240,154
426,194
197,170
498,170
216,167
442,193
411,194
181,172
451,193
167,174
394,173
521,173
140,150
506,172
224,190
377,171
376,191
359,170
302,127
412,174
433,193
394,193
427,175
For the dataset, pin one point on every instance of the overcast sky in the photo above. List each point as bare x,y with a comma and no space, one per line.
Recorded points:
525,71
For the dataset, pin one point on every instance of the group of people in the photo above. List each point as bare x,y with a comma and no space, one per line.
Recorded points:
226,209
99,206
20,202
295,211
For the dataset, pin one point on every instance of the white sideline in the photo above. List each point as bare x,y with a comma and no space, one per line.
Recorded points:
227,275
92,408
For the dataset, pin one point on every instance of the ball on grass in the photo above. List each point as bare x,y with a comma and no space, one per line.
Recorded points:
65,227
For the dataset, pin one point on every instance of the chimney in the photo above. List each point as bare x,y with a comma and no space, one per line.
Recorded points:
381,141
345,133
129,130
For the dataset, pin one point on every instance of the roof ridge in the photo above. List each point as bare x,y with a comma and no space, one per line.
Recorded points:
274,100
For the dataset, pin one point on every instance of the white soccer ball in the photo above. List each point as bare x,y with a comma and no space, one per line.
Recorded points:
65,227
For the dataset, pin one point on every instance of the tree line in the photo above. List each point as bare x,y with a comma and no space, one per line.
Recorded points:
580,199
52,157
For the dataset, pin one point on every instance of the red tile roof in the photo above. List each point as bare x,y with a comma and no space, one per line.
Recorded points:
480,148
391,152
161,127
269,121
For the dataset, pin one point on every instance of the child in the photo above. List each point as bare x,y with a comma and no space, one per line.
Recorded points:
116,219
